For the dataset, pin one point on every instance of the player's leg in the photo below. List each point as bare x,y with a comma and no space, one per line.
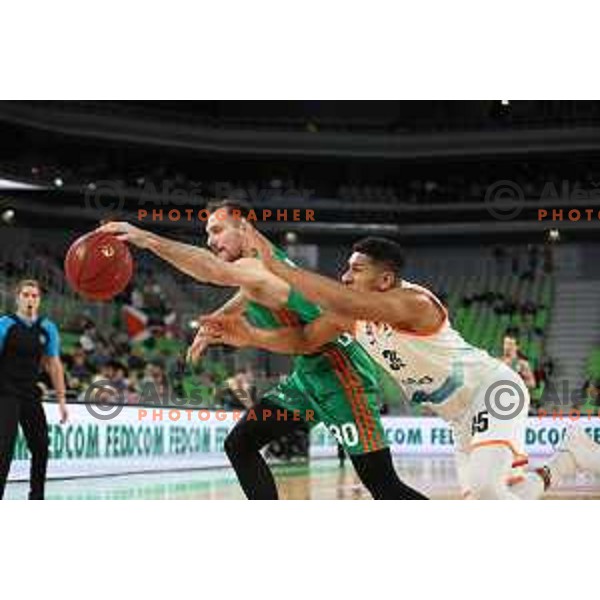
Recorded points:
346,400
494,428
496,424
33,422
529,486
491,467
9,423
259,426
578,452
489,472
480,464
377,473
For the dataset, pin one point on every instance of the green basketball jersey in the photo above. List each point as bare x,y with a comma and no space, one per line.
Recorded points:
339,383
299,311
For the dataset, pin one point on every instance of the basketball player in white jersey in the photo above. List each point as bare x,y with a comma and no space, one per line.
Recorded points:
406,329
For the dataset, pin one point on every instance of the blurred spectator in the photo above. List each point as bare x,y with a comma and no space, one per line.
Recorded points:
79,368
593,392
120,380
155,379
517,361
88,338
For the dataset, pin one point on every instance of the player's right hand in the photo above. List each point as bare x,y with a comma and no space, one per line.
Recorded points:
232,330
127,233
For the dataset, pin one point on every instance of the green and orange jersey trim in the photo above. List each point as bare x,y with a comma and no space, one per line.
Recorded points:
368,431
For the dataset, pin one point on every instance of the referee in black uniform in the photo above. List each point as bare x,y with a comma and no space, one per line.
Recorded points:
28,343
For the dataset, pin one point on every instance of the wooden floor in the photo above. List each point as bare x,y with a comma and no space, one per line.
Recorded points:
322,480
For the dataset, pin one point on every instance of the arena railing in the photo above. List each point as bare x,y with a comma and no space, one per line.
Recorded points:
75,120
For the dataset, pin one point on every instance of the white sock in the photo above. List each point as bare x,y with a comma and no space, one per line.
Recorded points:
488,470
561,465
531,488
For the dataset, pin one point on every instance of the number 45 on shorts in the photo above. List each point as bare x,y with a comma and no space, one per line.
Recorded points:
480,423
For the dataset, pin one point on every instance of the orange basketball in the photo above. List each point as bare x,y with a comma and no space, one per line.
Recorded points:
98,266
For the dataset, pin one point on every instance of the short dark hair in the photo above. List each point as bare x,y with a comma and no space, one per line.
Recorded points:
382,250
241,207
27,283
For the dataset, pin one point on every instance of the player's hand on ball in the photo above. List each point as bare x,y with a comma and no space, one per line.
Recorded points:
127,233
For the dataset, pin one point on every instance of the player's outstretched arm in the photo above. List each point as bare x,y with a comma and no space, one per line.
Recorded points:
395,306
198,263
307,339
232,308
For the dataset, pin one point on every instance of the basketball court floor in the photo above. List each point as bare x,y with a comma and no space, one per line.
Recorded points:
319,480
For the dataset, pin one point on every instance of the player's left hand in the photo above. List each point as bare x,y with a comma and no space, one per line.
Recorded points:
232,330
127,233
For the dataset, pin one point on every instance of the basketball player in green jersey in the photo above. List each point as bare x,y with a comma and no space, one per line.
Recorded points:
337,386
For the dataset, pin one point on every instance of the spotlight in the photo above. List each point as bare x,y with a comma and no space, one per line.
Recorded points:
8,216
58,182
291,237
501,109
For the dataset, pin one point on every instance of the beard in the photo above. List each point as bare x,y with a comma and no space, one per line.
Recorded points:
229,256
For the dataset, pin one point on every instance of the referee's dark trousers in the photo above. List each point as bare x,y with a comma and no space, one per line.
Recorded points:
29,414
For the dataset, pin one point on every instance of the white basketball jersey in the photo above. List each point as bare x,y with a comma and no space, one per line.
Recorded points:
438,369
